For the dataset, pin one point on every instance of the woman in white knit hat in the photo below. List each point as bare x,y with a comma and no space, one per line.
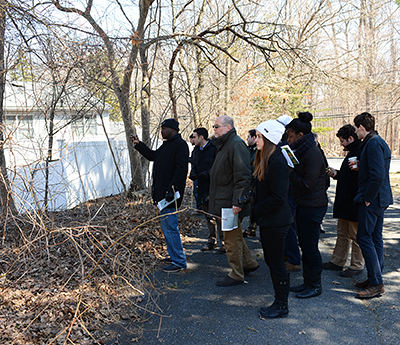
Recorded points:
271,211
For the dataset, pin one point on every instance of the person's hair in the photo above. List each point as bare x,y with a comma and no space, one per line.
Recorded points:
346,132
227,120
284,137
315,135
302,124
201,131
252,132
191,136
366,120
262,157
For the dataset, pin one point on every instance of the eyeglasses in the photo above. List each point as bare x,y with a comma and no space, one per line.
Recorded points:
218,126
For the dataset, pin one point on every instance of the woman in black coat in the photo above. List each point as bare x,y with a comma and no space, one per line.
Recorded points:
271,211
309,196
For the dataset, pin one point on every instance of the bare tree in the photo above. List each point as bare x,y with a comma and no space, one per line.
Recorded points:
6,200
121,89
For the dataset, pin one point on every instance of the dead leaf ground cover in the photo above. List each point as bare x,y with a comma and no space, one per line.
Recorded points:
64,276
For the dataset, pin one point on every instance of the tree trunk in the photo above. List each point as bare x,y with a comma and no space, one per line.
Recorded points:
145,103
200,87
6,200
49,156
228,87
122,91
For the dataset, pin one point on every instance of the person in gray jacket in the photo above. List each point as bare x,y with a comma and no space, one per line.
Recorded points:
230,180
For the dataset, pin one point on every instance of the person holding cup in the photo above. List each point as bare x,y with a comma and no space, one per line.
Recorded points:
344,208
353,162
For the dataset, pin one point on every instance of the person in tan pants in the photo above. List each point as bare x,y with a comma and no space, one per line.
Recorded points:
239,256
346,237
229,181
345,210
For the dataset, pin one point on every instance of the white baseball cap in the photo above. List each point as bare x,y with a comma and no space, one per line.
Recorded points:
271,130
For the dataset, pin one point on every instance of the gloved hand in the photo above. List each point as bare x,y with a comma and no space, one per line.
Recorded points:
169,195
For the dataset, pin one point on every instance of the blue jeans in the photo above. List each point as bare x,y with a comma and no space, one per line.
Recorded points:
169,227
308,224
369,238
292,250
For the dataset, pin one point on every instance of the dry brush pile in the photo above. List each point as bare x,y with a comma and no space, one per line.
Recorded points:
65,276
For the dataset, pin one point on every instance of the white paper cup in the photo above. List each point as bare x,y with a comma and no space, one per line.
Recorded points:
353,159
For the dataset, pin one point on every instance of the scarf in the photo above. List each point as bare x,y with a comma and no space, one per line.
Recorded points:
301,146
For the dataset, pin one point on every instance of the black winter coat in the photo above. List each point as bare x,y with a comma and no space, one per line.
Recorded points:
308,177
253,152
201,166
271,207
347,185
170,166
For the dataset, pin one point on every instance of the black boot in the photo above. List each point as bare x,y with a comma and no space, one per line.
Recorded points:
303,286
298,288
314,286
310,291
280,306
275,285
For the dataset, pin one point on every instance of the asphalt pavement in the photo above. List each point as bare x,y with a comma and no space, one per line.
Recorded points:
193,310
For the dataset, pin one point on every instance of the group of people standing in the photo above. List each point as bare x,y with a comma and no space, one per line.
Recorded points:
226,179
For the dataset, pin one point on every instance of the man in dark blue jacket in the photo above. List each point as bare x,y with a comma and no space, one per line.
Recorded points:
374,195
170,170
201,165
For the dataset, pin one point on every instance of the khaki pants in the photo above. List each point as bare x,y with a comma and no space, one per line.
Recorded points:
346,235
237,252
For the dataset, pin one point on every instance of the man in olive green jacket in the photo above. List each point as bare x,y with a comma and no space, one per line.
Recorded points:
230,180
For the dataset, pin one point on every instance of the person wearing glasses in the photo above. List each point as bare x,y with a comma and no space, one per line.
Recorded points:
344,208
229,181
200,173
